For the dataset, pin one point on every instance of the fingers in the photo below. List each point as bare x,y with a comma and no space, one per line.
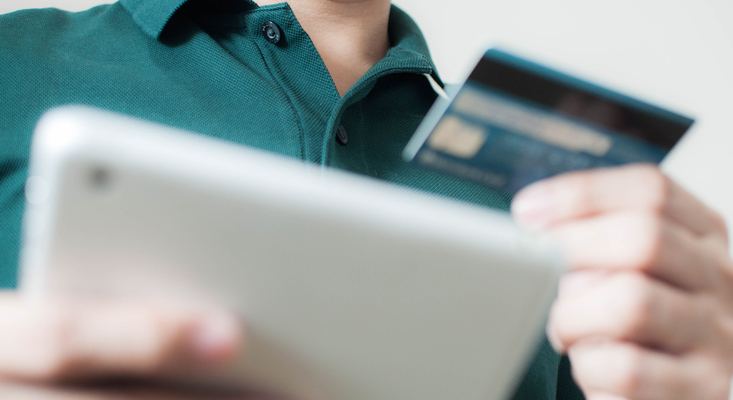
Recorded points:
77,340
586,193
645,314
638,241
627,307
626,370
631,372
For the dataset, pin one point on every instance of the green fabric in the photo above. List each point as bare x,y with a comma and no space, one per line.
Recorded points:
566,387
204,66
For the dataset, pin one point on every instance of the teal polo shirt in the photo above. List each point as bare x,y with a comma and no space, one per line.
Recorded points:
207,67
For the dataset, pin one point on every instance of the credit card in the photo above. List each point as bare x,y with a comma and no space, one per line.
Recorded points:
514,122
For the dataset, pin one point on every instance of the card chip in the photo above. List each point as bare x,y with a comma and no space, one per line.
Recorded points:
457,138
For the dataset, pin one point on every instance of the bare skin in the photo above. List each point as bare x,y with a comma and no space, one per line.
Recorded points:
350,35
647,311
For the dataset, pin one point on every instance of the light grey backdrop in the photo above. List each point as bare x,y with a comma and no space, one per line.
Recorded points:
678,53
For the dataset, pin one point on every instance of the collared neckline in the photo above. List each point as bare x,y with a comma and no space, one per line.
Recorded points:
407,40
153,15
407,37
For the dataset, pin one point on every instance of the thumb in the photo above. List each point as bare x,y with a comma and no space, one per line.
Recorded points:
74,339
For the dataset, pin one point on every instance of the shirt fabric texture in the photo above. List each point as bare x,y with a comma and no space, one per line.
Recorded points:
205,66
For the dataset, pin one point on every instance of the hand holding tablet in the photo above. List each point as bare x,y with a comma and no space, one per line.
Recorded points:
350,288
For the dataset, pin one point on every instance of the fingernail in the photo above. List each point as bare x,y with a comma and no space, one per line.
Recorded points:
532,206
217,338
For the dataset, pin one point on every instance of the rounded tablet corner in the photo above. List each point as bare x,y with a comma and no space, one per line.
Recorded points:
60,128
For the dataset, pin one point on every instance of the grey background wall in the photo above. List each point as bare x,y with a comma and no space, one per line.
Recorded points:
677,53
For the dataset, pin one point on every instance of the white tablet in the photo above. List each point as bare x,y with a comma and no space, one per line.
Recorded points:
351,288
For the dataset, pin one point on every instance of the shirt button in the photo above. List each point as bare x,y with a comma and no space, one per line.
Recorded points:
271,32
341,137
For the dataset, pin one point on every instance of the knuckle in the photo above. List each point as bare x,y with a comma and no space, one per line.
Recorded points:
708,312
649,242
557,324
156,353
629,373
637,309
580,185
720,224
707,307
612,367
658,187
575,188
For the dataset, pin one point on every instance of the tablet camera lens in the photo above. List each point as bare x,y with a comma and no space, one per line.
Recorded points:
100,178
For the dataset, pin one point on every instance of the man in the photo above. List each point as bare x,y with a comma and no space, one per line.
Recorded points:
647,312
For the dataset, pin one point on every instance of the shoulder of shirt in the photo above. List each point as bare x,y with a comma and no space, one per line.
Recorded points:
33,33
40,48
38,44
40,23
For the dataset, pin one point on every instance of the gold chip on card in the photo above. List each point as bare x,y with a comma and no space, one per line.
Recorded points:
457,138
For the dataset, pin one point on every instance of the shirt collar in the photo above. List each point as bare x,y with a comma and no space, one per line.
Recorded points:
407,38
153,16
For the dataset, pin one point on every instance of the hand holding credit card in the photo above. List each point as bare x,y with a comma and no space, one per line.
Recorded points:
514,122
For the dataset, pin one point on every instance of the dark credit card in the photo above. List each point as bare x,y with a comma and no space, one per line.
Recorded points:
515,122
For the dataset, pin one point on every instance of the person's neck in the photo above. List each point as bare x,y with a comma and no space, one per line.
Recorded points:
350,35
